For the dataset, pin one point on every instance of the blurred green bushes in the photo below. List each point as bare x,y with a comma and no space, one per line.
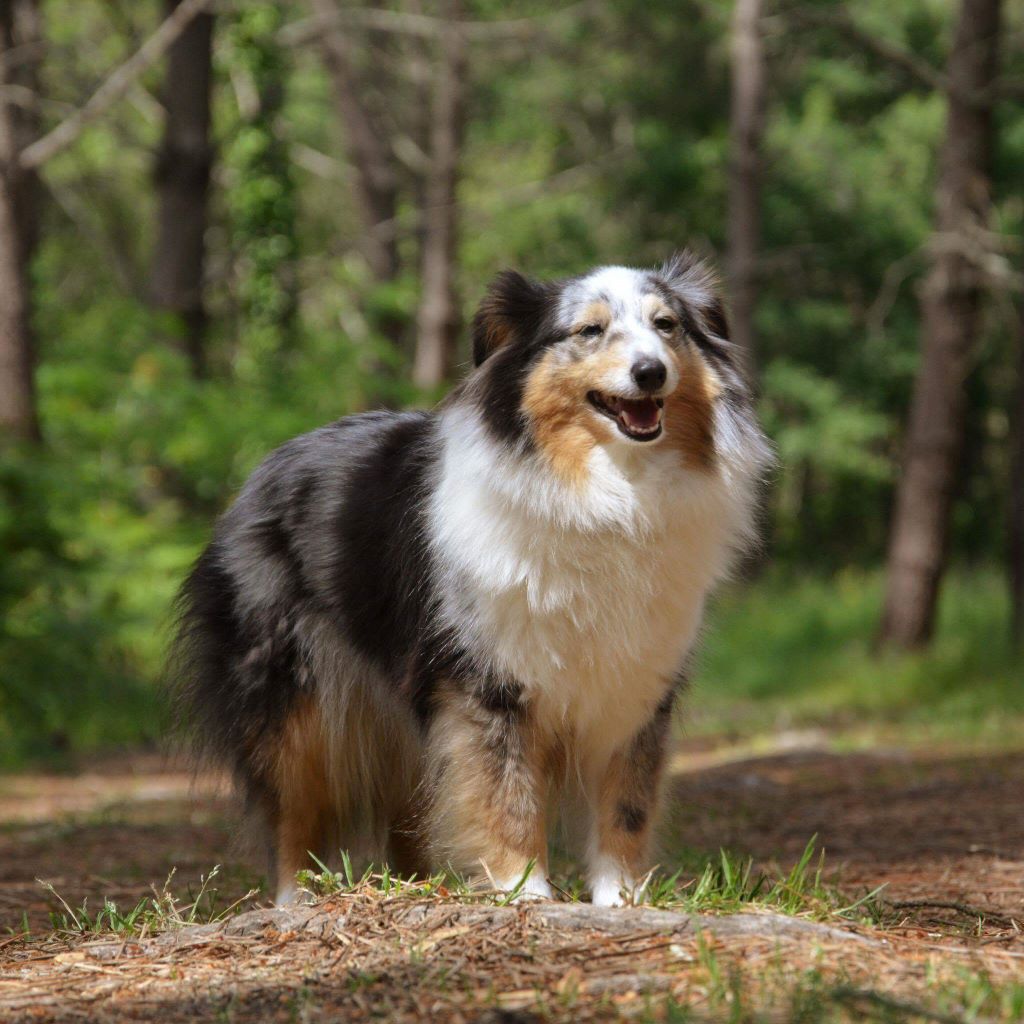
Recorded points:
98,528
795,651
602,140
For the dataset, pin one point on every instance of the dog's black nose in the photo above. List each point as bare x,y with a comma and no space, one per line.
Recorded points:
649,374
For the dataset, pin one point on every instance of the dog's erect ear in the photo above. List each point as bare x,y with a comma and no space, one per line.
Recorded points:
513,307
716,318
697,285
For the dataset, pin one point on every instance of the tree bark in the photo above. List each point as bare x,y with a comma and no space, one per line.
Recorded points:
375,176
1016,510
113,88
747,113
19,211
182,178
949,313
438,316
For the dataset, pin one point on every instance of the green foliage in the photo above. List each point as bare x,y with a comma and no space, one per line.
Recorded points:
162,911
383,883
813,426
64,680
729,884
261,195
601,137
723,885
98,529
833,449
798,652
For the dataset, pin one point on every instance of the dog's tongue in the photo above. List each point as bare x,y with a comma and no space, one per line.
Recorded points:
639,413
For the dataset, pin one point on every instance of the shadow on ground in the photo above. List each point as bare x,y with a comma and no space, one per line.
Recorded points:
929,827
941,828
943,833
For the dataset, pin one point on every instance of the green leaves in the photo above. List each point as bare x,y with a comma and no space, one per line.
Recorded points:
814,423
262,200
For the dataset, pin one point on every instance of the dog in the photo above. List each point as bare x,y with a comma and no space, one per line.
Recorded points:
413,630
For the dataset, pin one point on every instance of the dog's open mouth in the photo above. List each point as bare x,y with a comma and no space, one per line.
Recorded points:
637,418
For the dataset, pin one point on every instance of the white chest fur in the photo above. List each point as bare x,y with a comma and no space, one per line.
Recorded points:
589,598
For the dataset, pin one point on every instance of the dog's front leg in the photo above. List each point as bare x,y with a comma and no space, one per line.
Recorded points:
490,789
624,802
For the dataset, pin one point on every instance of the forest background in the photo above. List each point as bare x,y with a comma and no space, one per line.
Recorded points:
222,224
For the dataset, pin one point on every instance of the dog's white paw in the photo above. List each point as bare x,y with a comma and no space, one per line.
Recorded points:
292,895
607,892
615,891
287,895
535,887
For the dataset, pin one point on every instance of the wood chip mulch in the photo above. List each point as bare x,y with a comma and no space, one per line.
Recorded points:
364,957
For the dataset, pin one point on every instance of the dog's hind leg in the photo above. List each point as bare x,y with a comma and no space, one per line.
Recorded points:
302,817
406,849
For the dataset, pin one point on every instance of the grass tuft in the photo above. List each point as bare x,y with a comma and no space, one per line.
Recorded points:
729,884
159,912
724,885
383,882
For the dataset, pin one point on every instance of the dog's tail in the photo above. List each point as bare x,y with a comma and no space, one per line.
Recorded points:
201,676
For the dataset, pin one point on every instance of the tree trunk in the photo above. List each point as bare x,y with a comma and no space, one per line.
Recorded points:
744,212
1016,521
19,210
949,313
376,180
182,178
438,317
263,207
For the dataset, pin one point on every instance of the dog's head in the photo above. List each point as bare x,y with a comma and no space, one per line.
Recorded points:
617,357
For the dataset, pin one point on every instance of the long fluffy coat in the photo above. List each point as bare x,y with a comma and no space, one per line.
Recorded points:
411,630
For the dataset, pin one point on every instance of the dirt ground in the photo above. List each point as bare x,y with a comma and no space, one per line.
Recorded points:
943,833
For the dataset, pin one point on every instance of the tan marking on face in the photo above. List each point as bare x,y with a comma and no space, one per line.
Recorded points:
597,312
688,419
565,426
653,306
298,768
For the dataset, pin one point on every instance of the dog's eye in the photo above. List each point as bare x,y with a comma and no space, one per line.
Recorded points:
664,324
591,331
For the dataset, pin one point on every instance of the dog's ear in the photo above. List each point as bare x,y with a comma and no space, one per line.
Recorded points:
716,318
513,308
697,285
